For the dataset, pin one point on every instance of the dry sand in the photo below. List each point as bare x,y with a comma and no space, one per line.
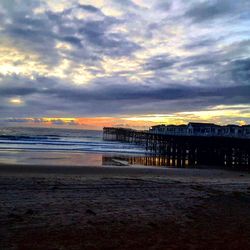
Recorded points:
46,207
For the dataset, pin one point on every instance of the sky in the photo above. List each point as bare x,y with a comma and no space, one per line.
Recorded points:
127,63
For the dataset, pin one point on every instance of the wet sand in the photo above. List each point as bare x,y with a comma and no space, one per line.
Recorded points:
45,207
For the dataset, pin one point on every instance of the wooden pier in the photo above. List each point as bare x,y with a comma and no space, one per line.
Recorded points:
186,150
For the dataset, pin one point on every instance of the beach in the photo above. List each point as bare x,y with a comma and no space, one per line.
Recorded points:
124,125
66,207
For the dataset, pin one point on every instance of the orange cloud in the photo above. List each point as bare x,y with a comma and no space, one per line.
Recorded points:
218,114
92,123
100,122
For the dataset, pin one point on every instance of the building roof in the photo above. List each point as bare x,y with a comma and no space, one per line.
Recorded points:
199,124
232,125
158,126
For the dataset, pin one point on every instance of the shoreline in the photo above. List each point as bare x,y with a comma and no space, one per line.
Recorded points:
210,174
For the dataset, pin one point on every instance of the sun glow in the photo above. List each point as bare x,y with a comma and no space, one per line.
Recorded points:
20,62
141,122
16,101
222,114
63,46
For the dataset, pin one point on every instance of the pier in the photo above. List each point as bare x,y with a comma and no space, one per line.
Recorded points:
184,151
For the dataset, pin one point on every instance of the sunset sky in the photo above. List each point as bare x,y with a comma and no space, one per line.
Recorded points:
129,63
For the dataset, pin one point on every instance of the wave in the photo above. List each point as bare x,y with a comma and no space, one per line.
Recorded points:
60,145
62,140
90,149
26,137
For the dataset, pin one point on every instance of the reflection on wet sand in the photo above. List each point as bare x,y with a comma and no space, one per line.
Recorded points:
152,160
160,161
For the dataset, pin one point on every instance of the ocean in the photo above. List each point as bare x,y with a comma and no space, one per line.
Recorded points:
71,147
51,146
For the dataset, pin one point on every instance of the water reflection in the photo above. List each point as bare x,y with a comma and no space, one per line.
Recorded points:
180,157
147,160
50,158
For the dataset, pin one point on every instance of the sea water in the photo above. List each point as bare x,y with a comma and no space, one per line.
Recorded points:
50,146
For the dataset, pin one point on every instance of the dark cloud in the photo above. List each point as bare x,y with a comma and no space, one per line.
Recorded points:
16,120
107,97
206,59
58,122
160,62
210,10
147,94
113,44
240,70
89,8
72,40
163,5
21,86
201,43
34,35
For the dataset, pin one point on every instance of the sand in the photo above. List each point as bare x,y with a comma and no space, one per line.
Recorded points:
45,207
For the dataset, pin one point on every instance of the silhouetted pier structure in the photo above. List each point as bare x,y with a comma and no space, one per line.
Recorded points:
181,151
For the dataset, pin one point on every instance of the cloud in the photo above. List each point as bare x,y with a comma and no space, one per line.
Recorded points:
201,43
240,70
112,44
160,62
16,120
89,8
106,97
163,5
208,10
41,33
61,122
114,58
211,10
